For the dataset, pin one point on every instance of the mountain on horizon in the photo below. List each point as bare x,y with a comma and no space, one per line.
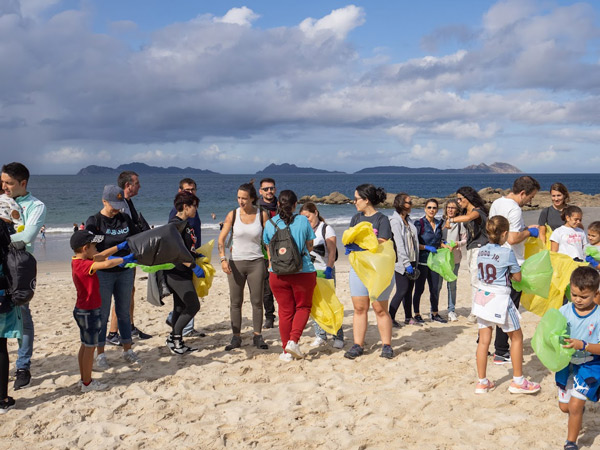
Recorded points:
142,168
292,168
497,167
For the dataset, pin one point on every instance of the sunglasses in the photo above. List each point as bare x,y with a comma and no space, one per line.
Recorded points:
431,207
268,188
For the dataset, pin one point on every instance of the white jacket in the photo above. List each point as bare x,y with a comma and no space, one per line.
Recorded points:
399,232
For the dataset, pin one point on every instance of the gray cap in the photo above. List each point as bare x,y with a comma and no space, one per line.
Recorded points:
115,196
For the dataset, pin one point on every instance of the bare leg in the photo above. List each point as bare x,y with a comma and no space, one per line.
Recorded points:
360,319
576,406
485,337
384,321
87,361
516,352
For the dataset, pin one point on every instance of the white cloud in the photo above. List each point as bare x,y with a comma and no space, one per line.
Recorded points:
469,130
214,153
243,16
338,23
154,157
402,132
429,154
75,155
485,152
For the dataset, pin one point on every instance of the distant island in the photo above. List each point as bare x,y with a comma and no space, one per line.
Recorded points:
497,167
142,168
291,168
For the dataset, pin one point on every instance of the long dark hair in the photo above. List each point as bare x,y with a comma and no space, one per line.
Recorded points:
474,198
562,189
285,205
371,193
400,202
311,207
250,189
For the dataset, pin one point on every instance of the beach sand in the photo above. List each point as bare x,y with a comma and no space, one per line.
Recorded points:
423,398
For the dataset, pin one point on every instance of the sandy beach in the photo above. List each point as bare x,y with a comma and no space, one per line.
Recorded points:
248,398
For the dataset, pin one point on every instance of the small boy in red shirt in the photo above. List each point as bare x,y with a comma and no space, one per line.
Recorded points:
84,265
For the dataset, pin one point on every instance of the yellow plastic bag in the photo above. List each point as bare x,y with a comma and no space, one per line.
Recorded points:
533,246
548,234
326,309
202,285
374,267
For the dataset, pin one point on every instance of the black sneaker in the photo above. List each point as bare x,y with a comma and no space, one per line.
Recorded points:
354,352
438,318
179,347
259,342
396,324
419,319
236,342
23,379
136,332
7,404
113,338
387,352
269,323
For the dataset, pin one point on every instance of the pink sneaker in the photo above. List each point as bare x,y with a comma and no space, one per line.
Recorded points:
484,388
527,387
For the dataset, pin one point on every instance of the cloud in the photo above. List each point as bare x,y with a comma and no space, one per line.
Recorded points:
154,157
74,155
243,16
459,33
337,24
429,154
485,152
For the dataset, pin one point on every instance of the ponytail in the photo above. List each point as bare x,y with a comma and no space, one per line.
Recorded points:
286,205
371,193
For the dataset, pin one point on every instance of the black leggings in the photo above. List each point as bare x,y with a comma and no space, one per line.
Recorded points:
433,281
3,369
185,302
404,288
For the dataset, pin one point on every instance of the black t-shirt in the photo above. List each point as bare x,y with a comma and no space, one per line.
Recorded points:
138,220
552,217
381,223
476,234
181,271
115,230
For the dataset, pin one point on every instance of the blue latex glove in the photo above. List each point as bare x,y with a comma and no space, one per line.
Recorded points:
410,270
198,271
200,255
353,248
592,261
123,246
431,249
534,232
328,273
126,259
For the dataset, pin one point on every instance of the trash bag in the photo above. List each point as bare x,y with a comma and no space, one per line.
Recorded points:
151,269
534,246
442,262
326,309
20,269
548,340
536,275
203,285
593,251
160,245
374,267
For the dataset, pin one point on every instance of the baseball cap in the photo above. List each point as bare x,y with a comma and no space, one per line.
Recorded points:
83,237
115,196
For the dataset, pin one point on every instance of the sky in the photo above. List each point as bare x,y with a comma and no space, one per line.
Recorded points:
235,86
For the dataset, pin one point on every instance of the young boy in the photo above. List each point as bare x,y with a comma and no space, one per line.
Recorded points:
580,380
84,265
593,236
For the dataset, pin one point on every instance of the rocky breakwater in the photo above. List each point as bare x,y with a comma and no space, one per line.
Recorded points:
541,200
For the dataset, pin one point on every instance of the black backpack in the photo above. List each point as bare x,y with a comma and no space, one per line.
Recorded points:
21,272
285,256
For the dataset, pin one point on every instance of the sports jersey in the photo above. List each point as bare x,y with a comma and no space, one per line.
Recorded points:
86,283
495,264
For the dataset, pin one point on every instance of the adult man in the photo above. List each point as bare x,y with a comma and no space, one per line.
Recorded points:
129,181
268,203
523,190
15,177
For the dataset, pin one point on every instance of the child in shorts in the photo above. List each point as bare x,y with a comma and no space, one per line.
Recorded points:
493,307
84,265
579,381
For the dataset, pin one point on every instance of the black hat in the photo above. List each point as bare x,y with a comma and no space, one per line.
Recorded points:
83,237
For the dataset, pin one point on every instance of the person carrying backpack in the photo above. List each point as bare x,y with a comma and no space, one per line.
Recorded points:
289,238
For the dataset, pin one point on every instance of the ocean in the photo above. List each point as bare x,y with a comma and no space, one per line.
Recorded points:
72,199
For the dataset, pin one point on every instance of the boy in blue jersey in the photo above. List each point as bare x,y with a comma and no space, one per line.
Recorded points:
580,380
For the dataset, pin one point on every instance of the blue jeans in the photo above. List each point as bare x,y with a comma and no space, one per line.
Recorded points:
25,344
119,285
451,290
89,322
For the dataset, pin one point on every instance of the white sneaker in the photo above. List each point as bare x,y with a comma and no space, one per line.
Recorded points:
287,357
101,362
338,343
131,357
318,342
294,349
452,317
95,385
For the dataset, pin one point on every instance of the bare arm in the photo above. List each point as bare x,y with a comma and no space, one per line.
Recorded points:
553,246
309,245
106,263
516,237
227,225
105,254
331,248
542,233
463,219
516,276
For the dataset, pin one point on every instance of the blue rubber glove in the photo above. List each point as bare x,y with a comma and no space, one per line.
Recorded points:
431,249
534,232
592,261
328,273
126,259
200,255
410,270
198,271
353,248
123,246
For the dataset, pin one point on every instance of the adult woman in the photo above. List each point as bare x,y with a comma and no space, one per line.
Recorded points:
180,278
293,292
407,250
458,234
118,281
323,256
246,264
429,232
366,197
551,215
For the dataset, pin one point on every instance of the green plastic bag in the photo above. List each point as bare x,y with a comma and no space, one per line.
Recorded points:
442,262
593,251
151,269
536,275
548,340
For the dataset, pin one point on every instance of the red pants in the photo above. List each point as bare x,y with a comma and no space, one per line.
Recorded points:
294,297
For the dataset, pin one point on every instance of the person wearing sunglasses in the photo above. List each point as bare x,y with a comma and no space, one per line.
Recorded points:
429,232
268,204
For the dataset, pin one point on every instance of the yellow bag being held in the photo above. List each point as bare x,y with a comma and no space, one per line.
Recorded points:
326,309
203,285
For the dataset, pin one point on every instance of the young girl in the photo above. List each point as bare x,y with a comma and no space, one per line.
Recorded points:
496,266
570,239
457,233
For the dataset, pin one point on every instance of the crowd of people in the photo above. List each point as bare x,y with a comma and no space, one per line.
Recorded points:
279,253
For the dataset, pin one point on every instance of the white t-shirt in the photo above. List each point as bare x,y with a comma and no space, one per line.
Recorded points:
320,262
511,210
571,241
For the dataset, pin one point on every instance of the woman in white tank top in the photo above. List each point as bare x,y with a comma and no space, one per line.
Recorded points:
246,263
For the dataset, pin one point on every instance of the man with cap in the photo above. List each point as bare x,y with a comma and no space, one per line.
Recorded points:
116,227
15,177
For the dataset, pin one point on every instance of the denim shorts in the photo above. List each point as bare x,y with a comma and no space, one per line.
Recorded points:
89,322
358,289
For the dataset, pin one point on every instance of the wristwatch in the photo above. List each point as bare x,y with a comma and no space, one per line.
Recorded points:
223,258
584,345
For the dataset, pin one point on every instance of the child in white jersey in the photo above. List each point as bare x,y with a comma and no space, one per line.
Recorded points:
570,239
493,307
